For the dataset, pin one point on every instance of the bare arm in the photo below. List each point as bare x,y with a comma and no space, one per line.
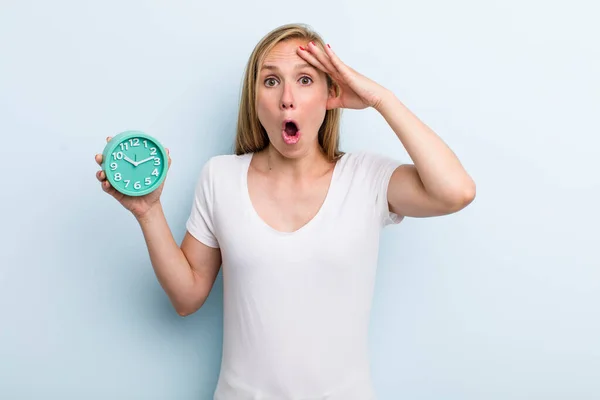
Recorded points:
437,183
186,273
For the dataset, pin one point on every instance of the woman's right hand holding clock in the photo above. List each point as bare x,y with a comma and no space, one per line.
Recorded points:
139,206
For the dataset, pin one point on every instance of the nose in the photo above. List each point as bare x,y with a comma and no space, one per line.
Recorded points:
287,98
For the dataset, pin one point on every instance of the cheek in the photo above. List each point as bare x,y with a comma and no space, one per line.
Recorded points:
263,107
317,102
316,99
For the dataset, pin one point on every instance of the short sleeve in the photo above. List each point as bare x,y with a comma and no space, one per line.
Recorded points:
200,223
379,170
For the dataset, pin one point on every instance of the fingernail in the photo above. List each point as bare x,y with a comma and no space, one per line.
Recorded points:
301,48
313,43
328,45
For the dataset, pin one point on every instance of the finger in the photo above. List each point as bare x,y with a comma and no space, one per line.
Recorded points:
108,139
106,186
304,53
98,158
113,192
340,67
101,176
323,59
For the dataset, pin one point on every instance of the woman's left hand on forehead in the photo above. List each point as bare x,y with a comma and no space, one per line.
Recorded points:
356,90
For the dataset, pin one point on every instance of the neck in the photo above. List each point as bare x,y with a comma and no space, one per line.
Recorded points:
309,164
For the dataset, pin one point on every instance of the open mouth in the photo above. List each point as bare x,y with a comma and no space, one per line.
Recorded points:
291,132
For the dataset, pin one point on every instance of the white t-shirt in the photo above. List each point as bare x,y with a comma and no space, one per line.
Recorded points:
296,305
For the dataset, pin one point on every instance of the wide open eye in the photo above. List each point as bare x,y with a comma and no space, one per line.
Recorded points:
305,80
270,82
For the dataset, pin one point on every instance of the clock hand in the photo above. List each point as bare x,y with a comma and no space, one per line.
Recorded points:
135,164
145,160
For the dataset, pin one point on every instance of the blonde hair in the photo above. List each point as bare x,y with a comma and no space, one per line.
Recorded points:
251,135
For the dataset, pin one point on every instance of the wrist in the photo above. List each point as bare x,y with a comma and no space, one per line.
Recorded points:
392,109
387,99
150,214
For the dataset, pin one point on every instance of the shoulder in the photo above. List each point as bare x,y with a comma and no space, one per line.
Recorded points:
368,163
220,175
367,176
226,161
223,166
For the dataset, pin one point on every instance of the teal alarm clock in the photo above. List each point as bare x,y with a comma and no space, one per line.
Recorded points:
135,163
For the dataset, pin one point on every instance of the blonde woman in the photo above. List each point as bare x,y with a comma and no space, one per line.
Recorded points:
295,223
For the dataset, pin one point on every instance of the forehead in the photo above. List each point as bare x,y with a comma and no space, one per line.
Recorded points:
284,52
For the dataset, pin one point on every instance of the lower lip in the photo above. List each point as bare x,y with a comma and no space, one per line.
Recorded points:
290,139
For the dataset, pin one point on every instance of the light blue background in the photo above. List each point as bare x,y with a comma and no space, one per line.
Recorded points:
499,301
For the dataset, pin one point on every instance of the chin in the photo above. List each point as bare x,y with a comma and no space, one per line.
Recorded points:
302,147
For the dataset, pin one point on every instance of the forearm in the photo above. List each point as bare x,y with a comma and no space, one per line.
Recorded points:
440,171
170,265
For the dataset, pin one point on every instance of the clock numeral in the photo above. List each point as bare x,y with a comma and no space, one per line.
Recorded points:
126,182
157,161
118,155
148,181
134,142
113,166
137,185
145,143
152,151
155,172
124,146
118,176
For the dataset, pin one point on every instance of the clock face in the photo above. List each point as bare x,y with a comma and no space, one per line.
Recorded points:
135,165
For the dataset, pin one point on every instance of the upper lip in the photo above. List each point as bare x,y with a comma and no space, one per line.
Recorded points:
285,122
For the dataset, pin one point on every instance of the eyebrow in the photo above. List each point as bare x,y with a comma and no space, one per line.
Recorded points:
275,68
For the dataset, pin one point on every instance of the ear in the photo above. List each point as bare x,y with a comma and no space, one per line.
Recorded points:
333,89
